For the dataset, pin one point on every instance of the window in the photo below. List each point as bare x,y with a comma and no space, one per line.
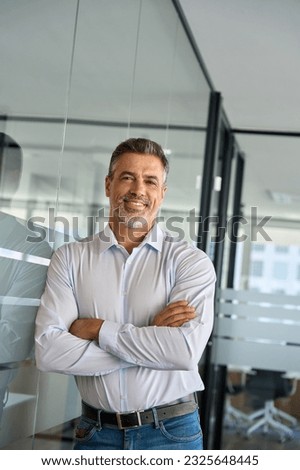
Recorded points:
257,268
280,270
281,249
258,247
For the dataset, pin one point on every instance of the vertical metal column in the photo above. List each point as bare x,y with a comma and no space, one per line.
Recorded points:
233,238
208,175
236,216
219,373
209,167
227,157
214,376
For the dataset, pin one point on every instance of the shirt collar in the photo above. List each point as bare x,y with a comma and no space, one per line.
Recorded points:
107,239
154,238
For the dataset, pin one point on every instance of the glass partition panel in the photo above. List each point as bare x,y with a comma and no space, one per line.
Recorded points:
151,86
169,88
78,78
35,63
257,336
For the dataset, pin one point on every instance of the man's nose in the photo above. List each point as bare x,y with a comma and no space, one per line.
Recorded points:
138,187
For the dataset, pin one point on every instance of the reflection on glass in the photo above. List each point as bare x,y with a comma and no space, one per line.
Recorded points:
23,268
130,83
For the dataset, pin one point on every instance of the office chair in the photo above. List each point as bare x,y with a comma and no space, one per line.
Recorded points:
269,385
233,416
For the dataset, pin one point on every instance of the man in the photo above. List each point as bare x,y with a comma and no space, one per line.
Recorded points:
129,313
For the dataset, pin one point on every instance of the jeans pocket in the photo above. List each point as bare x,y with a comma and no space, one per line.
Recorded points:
183,429
85,430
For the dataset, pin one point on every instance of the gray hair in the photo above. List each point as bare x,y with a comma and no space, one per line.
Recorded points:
141,146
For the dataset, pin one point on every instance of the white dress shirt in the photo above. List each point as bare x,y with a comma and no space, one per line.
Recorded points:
133,366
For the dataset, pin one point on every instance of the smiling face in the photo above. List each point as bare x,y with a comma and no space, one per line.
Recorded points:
136,190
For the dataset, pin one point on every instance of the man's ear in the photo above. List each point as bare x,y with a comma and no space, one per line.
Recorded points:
107,186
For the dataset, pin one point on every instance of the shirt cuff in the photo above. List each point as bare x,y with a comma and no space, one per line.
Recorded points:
108,335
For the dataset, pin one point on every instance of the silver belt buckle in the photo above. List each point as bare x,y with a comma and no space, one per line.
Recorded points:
138,417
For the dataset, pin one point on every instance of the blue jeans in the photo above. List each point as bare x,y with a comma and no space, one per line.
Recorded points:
181,433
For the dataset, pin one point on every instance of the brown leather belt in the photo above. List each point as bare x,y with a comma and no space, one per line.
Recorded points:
135,419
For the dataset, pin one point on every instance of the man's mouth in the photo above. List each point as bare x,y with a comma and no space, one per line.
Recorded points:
135,203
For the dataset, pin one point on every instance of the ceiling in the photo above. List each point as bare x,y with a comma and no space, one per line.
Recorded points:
251,50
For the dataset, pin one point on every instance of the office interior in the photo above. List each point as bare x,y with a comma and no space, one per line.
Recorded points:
77,78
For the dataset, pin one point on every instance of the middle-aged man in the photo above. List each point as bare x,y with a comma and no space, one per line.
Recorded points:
129,312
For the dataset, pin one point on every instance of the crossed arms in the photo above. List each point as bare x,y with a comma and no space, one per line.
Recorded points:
173,315
175,339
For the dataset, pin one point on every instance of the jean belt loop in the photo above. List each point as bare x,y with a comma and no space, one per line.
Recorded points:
155,417
99,425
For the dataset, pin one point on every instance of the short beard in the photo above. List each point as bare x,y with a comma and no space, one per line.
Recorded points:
131,220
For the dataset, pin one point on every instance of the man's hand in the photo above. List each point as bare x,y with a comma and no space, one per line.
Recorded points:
86,328
175,314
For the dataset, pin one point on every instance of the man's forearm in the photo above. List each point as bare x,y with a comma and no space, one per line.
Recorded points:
144,340
86,328
175,314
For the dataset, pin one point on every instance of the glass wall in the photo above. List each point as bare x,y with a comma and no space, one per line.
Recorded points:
77,78
257,326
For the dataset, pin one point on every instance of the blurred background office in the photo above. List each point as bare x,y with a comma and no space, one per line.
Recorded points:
217,84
